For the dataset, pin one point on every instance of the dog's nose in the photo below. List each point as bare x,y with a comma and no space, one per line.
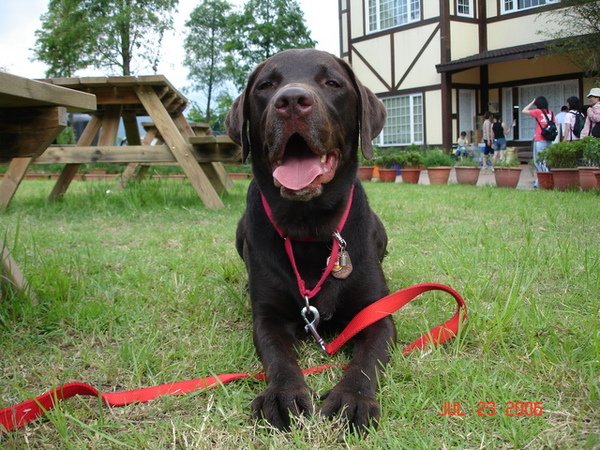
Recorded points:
293,100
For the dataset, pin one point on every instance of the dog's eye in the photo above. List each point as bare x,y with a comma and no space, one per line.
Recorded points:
333,83
264,85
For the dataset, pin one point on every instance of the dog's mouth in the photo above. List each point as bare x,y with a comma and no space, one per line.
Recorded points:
301,169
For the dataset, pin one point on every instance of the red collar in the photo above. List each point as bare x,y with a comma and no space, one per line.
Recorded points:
335,248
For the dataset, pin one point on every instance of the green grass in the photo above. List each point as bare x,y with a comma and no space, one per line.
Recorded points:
143,286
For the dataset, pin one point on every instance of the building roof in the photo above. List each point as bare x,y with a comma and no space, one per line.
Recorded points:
495,56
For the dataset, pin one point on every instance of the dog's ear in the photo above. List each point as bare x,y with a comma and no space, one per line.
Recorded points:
371,114
372,119
235,124
238,117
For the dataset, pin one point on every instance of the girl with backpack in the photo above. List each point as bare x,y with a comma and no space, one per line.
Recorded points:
545,128
574,121
592,121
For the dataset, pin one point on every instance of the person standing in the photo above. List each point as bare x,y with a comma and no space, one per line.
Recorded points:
488,139
560,122
592,121
500,130
538,109
572,131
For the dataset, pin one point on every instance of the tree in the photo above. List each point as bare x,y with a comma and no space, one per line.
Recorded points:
111,34
203,48
59,42
263,28
577,27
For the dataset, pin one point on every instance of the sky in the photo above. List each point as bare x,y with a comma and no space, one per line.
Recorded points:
19,19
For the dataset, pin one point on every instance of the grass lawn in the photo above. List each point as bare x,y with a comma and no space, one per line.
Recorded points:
143,286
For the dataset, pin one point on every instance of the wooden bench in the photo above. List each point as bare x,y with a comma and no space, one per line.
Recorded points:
31,116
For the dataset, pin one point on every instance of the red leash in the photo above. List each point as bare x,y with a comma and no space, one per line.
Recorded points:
17,416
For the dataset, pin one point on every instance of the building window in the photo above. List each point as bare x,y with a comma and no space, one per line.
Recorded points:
464,8
509,6
404,124
385,14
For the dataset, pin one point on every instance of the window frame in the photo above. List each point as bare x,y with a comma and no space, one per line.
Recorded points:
471,12
416,122
377,28
515,8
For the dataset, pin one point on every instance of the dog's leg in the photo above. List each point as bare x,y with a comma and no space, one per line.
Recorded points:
354,396
286,393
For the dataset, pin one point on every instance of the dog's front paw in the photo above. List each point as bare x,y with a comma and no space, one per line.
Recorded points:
276,404
358,409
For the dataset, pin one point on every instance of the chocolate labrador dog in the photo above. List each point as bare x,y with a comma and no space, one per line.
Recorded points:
301,118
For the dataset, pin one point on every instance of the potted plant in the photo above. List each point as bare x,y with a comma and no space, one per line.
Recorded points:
439,165
365,168
467,171
412,164
507,173
591,163
562,159
387,165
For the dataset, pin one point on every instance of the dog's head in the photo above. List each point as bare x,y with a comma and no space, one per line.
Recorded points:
300,116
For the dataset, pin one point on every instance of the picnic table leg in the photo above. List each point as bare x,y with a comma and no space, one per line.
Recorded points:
181,149
214,170
109,126
37,129
70,170
133,138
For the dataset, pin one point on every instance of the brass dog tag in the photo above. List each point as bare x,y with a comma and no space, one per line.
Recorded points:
343,266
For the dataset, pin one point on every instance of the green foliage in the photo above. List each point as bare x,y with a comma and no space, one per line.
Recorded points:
576,27
467,161
108,34
508,163
393,156
63,41
147,288
217,116
66,136
204,56
563,155
263,28
436,157
591,151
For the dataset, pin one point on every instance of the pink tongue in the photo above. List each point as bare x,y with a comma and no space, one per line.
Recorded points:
297,173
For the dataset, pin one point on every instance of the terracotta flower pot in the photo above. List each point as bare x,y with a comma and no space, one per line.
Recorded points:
545,180
365,173
387,175
507,176
439,174
587,179
467,174
565,179
410,175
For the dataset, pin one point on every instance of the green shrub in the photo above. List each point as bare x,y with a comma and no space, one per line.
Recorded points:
436,157
591,151
563,155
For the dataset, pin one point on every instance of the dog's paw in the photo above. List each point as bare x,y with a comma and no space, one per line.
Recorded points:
358,409
277,404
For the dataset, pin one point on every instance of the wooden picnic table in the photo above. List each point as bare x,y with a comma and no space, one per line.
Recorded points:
128,97
31,116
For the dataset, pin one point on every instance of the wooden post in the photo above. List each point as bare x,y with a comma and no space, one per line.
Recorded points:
109,126
214,170
180,148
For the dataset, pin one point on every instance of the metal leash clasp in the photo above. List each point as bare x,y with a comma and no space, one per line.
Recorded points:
312,323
